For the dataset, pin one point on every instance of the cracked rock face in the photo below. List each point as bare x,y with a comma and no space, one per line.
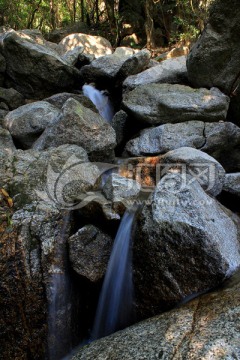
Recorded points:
157,104
206,328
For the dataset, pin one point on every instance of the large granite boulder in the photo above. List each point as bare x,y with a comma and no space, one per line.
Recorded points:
221,140
35,70
186,242
89,251
23,305
28,122
94,45
171,71
166,103
214,60
163,138
83,127
113,69
205,328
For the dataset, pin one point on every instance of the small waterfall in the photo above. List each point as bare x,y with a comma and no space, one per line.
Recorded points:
59,298
100,100
115,306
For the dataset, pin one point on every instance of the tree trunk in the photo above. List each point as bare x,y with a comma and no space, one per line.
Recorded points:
111,13
149,25
52,14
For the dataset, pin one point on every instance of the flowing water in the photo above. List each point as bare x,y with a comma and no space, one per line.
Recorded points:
59,299
115,306
100,100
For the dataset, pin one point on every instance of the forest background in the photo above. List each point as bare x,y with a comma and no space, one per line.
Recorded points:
137,23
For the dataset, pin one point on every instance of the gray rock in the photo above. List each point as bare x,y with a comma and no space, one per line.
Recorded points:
12,98
35,34
59,100
57,177
119,124
80,126
27,122
186,242
89,251
118,188
222,143
232,184
221,140
124,50
113,69
51,74
205,169
71,56
165,103
22,282
171,71
205,328
214,60
161,139
93,45
6,141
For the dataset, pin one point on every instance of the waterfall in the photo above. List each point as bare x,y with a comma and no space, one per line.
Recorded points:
59,299
100,100
115,306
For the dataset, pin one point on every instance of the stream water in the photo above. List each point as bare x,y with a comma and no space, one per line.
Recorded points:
100,100
115,306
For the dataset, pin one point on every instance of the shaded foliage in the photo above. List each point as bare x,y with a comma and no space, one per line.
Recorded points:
154,22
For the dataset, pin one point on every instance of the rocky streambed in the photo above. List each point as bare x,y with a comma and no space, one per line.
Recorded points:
67,176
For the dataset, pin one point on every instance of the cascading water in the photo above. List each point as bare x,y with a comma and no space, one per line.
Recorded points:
100,100
59,299
115,306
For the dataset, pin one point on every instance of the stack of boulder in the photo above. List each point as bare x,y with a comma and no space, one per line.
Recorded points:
179,119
